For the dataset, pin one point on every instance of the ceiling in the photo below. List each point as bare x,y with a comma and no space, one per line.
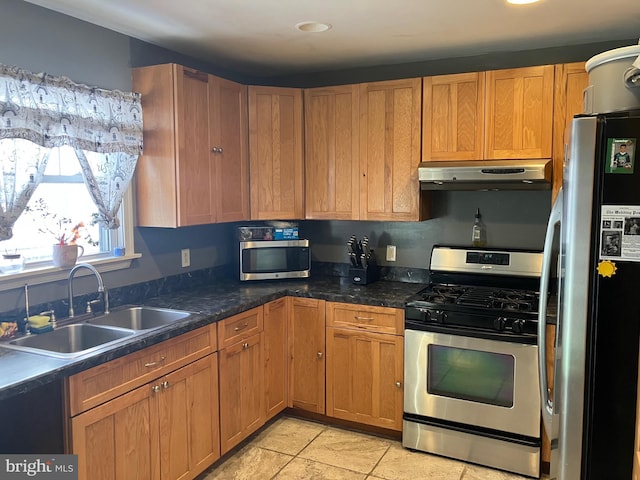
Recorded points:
259,36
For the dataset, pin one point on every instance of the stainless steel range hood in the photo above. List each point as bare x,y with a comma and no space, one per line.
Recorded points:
529,174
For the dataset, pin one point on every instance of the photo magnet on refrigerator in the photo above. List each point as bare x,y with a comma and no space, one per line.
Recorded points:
620,155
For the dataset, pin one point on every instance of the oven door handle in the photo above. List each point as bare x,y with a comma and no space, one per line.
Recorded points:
555,219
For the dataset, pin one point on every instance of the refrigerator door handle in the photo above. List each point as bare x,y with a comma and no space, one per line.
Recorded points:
555,218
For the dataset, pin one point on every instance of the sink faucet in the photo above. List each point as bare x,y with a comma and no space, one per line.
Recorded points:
101,287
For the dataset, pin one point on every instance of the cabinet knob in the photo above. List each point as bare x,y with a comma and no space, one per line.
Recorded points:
216,149
398,384
155,388
245,346
319,354
165,384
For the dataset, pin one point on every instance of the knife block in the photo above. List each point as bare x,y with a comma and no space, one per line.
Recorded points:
363,276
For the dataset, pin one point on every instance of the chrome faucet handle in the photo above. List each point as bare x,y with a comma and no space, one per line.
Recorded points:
52,317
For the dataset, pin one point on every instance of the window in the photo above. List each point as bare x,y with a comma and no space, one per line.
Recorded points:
60,202
67,155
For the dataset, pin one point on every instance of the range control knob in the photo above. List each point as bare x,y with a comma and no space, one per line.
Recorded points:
426,315
441,317
518,325
500,323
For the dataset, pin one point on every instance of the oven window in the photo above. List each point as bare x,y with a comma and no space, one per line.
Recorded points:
473,375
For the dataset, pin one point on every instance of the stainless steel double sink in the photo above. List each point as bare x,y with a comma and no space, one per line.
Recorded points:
97,333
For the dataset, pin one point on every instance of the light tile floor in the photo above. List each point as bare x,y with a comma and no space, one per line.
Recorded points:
296,449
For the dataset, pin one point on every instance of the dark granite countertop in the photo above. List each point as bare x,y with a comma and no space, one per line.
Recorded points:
24,371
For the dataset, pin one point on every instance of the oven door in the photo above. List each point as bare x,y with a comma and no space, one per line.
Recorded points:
486,383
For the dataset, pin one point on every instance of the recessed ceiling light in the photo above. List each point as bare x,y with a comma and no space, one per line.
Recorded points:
521,2
313,27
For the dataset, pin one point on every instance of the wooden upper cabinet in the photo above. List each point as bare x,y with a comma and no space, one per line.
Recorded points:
453,117
571,81
519,112
390,150
230,149
177,180
276,153
331,153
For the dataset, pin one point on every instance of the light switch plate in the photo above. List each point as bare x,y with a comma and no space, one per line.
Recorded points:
391,253
186,257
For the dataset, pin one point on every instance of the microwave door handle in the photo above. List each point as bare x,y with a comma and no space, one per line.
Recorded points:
546,403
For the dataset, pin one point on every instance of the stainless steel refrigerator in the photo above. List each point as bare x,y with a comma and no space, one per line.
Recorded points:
592,254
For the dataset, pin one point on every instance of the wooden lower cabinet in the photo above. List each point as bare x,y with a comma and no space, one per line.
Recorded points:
364,377
167,429
188,415
307,354
275,356
241,391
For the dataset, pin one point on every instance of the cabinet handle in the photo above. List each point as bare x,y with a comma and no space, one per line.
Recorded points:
319,354
165,384
357,317
398,384
216,149
237,329
153,364
155,388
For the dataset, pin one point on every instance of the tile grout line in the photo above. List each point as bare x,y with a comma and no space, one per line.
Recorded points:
379,460
297,454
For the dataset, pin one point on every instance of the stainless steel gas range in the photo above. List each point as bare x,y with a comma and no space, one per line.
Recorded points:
471,359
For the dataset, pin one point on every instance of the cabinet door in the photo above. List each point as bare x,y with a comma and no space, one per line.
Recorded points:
331,153
519,113
275,356
188,415
175,177
453,117
307,354
571,81
364,377
118,440
241,391
276,153
196,174
229,148
390,150
156,177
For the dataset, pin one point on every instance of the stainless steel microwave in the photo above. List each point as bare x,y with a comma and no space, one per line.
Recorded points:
274,259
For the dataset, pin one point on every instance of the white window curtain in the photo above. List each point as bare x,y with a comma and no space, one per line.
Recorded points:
103,126
22,165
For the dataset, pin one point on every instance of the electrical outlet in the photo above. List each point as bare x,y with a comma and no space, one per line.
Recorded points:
391,253
186,257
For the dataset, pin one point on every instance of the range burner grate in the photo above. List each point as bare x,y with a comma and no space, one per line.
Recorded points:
480,297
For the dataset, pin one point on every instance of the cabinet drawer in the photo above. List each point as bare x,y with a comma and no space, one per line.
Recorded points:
233,329
111,379
375,319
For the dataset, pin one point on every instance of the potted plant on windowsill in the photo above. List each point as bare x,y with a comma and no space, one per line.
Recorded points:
66,233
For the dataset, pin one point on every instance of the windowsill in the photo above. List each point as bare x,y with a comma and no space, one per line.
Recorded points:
40,275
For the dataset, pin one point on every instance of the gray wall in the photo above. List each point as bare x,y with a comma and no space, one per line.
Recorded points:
513,220
41,40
